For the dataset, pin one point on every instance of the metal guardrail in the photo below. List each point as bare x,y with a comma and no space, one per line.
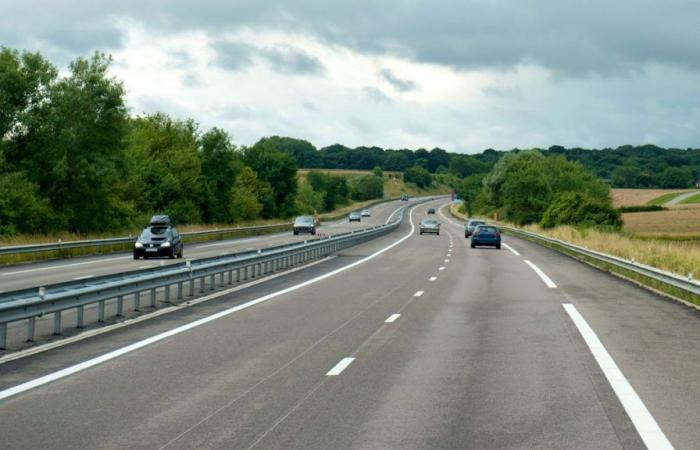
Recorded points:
33,248
683,284
28,304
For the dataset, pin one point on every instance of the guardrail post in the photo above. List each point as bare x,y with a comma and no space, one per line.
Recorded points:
81,316
3,336
57,323
167,293
202,283
238,274
101,311
230,276
153,297
212,282
31,327
137,301
179,290
120,306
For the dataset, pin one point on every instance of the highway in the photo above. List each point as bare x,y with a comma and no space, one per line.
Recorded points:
30,275
406,342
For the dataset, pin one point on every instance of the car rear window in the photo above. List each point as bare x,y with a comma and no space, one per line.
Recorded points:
488,229
304,220
154,231
475,223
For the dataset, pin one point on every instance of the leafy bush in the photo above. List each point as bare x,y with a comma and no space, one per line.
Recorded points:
577,209
366,187
418,175
641,208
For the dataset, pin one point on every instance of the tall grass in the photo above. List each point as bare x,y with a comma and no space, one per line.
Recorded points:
682,258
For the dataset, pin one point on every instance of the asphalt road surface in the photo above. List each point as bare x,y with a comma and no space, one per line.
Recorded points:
20,277
404,342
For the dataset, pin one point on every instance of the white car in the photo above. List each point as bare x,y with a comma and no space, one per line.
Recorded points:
366,213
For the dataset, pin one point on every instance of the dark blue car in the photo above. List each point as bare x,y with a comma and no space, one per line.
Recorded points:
486,235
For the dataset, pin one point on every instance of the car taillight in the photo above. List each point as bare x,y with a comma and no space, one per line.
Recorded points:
498,235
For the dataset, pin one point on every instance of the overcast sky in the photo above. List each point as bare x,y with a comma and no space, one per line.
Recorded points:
461,75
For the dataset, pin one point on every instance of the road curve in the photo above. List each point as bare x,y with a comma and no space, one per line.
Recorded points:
414,343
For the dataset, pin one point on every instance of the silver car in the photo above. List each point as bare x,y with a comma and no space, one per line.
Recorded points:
430,226
354,217
471,226
366,213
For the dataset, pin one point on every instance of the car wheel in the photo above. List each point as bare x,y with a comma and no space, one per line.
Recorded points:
179,255
473,246
172,254
498,247
136,256
421,233
438,233
295,232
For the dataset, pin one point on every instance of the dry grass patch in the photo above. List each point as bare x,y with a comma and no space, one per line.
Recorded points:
678,257
635,197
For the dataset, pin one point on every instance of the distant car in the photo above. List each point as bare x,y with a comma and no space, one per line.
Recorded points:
431,210
486,235
471,226
430,226
404,197
354,217
304,224
159,238
366,213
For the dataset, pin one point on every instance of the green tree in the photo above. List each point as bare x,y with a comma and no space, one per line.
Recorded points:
303,152
280,171
366,187
578,209
220,166
377,172
165,167
308,200
418,175
676,178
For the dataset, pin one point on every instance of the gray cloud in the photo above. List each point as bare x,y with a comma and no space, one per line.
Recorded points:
399,84
232,55
284,59
375,94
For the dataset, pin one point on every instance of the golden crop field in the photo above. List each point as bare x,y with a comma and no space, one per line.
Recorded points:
636,197
678,220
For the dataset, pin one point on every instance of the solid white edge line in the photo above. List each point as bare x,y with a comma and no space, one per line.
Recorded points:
433,278
548,281
84,277
650,432
26,386
512,250
418,294
338,368
392,318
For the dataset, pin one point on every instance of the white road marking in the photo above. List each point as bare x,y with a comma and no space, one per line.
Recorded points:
548,281
433,278
147,266
447,260
392,318
514,251
228,242
84,277
442,268
338,368
61,266
51,377
643,421
418,294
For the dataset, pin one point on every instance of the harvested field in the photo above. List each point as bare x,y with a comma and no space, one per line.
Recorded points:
635,197
678,221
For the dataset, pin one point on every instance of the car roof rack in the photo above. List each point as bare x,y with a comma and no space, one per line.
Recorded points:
160,219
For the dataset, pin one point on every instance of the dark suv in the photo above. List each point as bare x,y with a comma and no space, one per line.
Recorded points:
159,238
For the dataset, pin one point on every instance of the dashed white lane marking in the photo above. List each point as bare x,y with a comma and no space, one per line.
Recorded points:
442,268
84,277
433,278
338,368
643,421
61,266
147,266
418,294
392,318
548,281
447,260
514,251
